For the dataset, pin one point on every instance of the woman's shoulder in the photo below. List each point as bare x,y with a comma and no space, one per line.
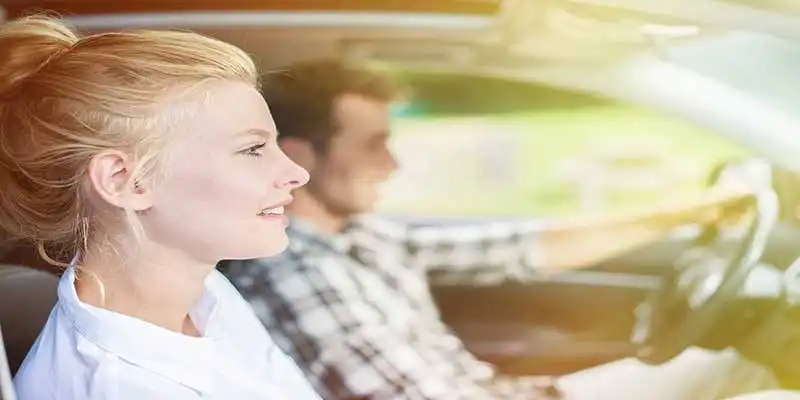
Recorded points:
105,379
64,365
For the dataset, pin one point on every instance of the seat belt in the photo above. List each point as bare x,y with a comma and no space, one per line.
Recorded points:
6,385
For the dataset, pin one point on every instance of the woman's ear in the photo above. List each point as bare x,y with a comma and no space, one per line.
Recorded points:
111,180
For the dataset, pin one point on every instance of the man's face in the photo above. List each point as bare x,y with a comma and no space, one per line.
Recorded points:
357,160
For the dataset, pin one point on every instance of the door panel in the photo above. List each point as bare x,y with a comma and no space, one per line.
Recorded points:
543,327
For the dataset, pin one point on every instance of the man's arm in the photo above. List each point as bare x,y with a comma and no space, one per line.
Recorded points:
347,346
567,244
582,242
770,395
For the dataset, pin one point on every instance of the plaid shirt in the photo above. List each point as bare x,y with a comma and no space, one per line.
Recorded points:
355,312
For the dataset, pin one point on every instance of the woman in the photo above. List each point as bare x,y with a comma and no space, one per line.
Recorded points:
139,160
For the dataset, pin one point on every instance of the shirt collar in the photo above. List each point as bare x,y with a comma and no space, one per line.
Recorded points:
184,359
341,242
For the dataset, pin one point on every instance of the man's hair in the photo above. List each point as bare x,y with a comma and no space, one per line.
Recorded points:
301,96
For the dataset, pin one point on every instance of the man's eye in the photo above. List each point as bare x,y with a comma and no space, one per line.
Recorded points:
253,151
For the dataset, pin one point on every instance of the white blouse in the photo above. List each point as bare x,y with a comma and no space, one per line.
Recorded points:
86,352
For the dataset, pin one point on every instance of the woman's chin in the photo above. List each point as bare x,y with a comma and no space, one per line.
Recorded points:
271,246
274,246
274,252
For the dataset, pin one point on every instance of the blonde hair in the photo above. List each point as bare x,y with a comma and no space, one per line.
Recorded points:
66,98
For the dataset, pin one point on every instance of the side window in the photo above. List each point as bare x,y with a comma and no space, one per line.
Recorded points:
545,159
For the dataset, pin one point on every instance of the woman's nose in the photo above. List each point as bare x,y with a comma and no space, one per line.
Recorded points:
293,176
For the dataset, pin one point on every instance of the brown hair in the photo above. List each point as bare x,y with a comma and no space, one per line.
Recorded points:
65,98
301,96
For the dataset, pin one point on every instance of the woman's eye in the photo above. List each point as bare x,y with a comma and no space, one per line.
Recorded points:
253,151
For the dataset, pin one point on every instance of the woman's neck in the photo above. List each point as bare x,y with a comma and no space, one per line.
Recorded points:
156,285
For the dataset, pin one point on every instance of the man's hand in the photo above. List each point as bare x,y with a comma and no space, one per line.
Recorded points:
732,214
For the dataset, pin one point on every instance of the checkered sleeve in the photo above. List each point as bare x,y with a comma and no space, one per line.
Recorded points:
346,346
512,248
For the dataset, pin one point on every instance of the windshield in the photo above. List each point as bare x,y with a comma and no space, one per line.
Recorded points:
569,158
762,65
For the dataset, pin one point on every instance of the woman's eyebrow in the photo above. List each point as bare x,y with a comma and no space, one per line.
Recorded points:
266,134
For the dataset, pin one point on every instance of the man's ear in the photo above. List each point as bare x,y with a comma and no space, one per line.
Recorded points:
300,151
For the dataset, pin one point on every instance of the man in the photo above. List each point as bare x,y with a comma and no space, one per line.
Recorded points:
350,301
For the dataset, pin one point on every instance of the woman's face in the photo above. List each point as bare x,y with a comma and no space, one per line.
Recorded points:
226,181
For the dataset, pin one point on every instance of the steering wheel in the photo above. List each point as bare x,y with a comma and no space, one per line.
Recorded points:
710,276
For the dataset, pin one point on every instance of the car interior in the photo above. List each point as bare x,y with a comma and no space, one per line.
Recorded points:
27,296
6,384
715,287
6,391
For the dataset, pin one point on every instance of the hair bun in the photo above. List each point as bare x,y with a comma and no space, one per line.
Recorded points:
27,45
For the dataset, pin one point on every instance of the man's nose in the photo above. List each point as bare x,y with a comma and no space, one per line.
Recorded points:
390,162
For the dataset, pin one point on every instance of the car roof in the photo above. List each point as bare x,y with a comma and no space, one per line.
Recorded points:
83,7
620,49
